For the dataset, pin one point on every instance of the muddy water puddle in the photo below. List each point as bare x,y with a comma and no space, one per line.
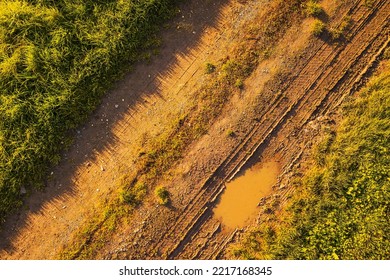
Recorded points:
239,201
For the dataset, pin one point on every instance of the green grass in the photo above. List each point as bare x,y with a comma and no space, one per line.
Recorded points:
314,9
210,68
342,30
57,58
341,207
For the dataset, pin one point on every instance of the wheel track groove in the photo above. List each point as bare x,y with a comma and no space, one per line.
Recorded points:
198,212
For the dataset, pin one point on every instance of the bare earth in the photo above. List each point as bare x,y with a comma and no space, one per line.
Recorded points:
275,117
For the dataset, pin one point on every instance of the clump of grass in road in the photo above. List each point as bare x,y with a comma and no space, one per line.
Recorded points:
318,28
210,68
314,9
341,31
369,3
162,195
133,196
230,133
239,84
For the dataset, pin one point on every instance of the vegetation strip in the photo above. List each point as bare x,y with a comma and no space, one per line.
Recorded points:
341,207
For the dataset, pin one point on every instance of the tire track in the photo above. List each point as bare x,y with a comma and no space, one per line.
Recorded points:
313,96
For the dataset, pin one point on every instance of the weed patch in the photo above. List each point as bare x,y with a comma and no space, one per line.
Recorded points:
318,28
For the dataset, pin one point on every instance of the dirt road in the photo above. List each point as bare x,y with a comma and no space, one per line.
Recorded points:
137,109
304,79
320,76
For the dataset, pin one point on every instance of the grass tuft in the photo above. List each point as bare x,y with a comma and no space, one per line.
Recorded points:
162,195
314,9
318,28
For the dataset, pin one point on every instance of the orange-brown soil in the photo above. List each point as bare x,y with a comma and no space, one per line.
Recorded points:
274,117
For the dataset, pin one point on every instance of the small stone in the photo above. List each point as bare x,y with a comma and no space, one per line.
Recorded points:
116,105
102,168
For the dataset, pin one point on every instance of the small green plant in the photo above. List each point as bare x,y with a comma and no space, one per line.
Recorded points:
239,84
267,53
230,68
335,33
162,195
210,68
314,9
369,3
338,33
346,23
134,196
230,133
318,28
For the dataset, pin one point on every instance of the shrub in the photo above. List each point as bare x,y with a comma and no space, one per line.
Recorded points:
134,196
338,33
210,68
346,24
369,3
162,195
313,9
318,28
230,133
230,68
239,84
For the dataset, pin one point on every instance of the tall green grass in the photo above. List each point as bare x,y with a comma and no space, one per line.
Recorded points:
341,210
57,58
